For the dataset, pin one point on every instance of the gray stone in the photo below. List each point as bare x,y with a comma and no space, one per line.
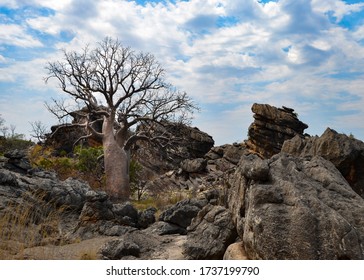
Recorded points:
254,168
116,249
183,212
146,217
194,165
210,233
271,127
233,153
346,153
164,228
306,210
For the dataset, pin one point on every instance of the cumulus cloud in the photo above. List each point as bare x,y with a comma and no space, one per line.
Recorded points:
227,54
16,35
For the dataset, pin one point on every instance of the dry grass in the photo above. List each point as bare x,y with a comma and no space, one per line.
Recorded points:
27,222
161,201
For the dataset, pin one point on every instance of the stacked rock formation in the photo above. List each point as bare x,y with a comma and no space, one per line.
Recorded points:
271,127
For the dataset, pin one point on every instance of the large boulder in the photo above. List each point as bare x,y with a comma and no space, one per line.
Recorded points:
346,153
210,233
271,127
17,161
185,143
304,209
182,213
235,251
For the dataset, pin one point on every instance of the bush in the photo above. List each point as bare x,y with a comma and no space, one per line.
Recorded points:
88,158
9,144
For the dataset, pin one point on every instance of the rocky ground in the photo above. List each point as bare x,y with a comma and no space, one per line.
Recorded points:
297,197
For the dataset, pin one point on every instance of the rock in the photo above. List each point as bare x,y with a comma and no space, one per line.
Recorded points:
235,251
194,165
254,168
210,233
116,249
164,228
63,137
125,214
101,210
7,178
306,210
17,161
346,153
233,153
136,244
147,217
95,211
182,213
187,143
271,127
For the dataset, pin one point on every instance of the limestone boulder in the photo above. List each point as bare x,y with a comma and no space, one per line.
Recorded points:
304,210
210,233
346,153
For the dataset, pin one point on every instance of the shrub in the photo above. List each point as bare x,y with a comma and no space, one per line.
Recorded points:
88,158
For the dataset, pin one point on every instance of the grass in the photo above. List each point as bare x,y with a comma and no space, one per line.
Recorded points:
27,222
161,201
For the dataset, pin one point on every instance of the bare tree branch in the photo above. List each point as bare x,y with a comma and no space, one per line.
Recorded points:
126,89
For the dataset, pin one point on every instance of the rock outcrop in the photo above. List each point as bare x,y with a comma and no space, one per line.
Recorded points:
346,153
188,143
17,161
182,213
300,209
210,233
271,127
280,195
63,137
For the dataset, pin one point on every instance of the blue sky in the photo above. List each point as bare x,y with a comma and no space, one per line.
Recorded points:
226,54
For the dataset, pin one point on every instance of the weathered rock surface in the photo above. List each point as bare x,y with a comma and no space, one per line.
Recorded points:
194,165
182,213
63,137
190,143
346,153
271,127
143,245
210,233
17,161
235,251
304,210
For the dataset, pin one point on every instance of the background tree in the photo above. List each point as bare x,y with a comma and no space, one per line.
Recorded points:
3,129
38,131
125,89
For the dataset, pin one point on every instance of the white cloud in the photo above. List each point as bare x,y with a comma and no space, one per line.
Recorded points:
283,52
12,34
2,59
338,7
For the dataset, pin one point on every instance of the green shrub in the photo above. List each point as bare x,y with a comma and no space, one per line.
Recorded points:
88,158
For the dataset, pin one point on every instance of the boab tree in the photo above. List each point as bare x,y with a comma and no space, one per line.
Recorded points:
126,89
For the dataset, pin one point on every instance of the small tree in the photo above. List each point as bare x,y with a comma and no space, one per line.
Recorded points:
38,131
4,129
125,89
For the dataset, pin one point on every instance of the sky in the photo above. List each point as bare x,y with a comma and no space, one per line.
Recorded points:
226,54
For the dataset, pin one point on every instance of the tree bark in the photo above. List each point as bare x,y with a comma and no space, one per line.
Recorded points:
116,164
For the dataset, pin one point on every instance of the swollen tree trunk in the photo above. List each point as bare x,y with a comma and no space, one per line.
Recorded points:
116,164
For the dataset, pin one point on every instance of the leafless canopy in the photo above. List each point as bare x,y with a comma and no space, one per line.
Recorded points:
113,81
